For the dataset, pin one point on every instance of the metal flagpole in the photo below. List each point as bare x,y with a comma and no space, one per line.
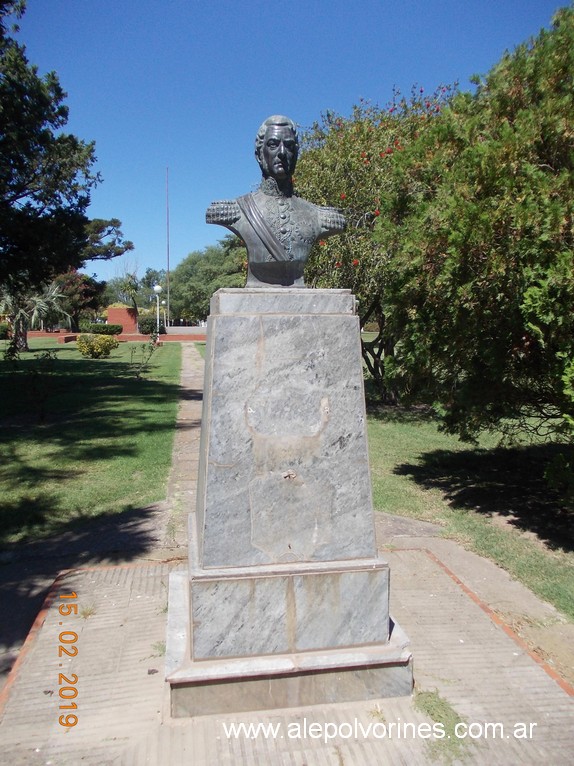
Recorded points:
167,232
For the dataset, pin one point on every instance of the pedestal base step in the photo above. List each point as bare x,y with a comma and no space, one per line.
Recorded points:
234,685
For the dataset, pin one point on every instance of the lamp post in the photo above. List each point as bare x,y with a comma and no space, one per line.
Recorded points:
157,290
163,305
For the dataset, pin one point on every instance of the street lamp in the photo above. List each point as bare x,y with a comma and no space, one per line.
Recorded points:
163,305
157,290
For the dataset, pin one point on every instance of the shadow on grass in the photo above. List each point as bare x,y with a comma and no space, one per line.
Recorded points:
398,414
113,536
28,513
90,410
69,411
508,482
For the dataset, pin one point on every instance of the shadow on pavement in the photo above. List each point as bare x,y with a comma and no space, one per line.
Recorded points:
27,570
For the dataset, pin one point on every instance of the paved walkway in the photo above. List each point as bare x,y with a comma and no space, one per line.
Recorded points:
458,609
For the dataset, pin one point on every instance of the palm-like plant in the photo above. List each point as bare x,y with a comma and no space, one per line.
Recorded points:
25,309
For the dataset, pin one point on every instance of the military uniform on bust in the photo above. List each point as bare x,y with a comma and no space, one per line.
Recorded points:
278,228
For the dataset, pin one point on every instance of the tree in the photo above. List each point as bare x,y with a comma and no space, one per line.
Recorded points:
480,296
124,289
203,272
25,309
468,257
44,178
346,163
153,277
81,295
104,240
45,175
130,289
146,294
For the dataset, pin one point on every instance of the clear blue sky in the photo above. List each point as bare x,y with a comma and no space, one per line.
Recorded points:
185,84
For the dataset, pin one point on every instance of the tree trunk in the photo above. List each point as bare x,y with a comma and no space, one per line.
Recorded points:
20,337
375,351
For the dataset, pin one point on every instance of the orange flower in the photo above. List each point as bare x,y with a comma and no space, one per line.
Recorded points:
377,212
355,261
322,242
343,195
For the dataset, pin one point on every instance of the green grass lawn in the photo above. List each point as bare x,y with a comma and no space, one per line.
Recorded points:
493,500
83,438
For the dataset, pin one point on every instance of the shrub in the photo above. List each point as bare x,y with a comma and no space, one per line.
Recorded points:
96,346
4,330
105,329
147,326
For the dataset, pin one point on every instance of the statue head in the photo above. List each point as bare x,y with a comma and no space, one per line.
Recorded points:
277,147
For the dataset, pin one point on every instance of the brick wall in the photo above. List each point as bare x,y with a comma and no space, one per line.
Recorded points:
128,318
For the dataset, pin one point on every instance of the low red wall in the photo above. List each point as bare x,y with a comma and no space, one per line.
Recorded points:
65,337
128,318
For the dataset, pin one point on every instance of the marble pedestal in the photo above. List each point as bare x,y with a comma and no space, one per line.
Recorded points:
285,601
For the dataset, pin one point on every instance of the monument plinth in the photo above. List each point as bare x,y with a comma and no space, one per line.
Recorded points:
285,601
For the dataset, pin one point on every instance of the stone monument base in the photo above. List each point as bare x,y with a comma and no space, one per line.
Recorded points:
285,602
237,685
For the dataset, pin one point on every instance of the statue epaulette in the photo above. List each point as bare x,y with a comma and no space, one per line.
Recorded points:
224,211
332,219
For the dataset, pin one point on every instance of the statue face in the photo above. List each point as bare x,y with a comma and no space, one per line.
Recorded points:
279,152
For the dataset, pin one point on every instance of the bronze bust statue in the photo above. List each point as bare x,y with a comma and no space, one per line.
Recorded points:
278,227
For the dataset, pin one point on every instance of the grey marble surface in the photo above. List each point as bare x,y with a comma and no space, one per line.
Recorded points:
284,472
289,613
283,300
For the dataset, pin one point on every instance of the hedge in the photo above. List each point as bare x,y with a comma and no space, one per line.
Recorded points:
105,329
148,325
